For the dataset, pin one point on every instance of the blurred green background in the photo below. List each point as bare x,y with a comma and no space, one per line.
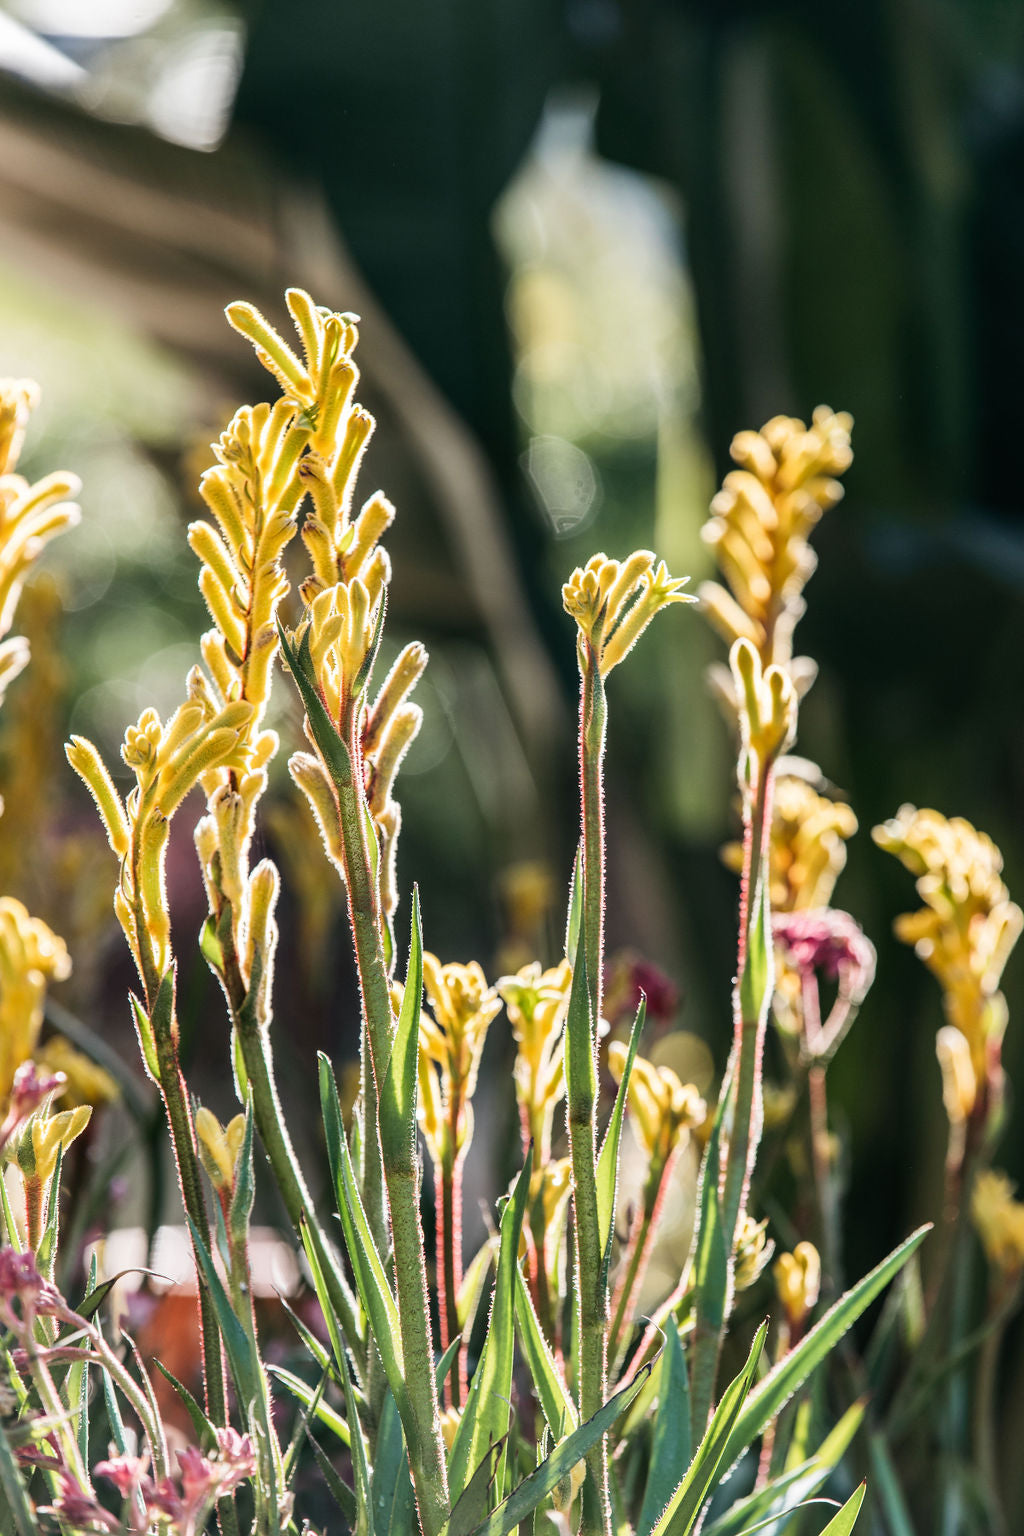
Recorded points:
589,241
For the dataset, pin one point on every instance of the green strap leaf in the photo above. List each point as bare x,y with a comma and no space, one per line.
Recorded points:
241,1352
574,916
371,1280
523,1500
200,1423
791,1372
608,1160
684,1507
390,1482
712,1253
398,1095
553,1395
670,1448
485,1419
336,1486
580,1071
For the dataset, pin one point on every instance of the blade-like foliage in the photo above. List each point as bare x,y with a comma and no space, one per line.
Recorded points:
670,1448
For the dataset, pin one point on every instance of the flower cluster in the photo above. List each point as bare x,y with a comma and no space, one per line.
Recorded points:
535,1001
613,603
760,523
967,927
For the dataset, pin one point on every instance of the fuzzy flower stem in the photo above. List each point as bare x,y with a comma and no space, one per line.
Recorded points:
449,1248
582,1106
400,1184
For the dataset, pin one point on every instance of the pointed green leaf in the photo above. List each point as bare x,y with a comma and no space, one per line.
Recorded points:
608,1161
785,1493
390,1483
200,1423
446,1362
22,1519
523,1500
792,1371
398,1095
336,1486
670,1448
711,1276
474,1503
311,1398
240,1350
683,1509
485,1419
574,916
245,1183
328,743
843,1523
552,1394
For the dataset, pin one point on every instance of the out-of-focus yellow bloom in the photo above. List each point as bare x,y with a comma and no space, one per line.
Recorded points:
752,1250
30,516
536,1002
959,1084
50,1134
808,852
219,1146
779,1104
999,1220
86,1083
30,956
662,1109
968,926
798,1282
451,1418
452,1037
760,523
613,603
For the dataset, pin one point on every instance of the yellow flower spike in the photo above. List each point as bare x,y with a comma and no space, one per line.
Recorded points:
999,1221
219,1146
31,955
52,1134
613,604
536,1002
18,399
968,925
275,355
759,526
798,1282
429,1105
400,681
808,853
373,521
261,933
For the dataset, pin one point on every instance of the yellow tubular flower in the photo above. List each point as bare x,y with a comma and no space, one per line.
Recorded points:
51,1134
968,926
452,1038
662,1109
536,1002
30,956
808,855
759,529
999,1221
613,603
168,761
767,703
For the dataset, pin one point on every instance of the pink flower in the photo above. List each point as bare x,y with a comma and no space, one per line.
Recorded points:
21,1281
125,1472
831,942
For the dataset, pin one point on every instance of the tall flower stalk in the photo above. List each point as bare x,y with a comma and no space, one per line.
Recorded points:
612,604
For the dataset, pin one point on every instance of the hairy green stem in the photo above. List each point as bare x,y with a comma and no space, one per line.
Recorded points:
582,1102
401,1174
